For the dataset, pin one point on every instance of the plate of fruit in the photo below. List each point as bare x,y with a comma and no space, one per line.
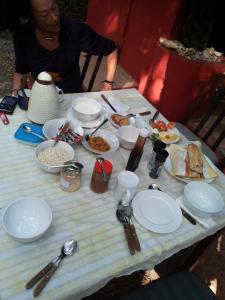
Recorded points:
165,132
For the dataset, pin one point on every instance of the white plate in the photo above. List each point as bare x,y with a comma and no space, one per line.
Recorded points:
109,137
156,211
89,124
172,131
113,123
168,167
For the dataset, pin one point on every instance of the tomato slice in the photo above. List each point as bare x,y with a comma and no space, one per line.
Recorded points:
171,125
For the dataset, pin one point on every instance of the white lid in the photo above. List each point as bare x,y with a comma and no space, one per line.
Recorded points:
144,132
44,76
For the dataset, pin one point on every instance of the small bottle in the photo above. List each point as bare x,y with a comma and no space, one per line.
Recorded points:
100,176
159,160
70,178
137,151
157,146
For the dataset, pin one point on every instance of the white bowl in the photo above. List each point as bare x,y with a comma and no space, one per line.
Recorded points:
202,199
46,144
27,219
51,128
86,109
128,135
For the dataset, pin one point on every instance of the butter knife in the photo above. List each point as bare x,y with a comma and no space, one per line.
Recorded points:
188,217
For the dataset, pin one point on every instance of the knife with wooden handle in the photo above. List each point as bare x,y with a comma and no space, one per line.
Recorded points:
129,238
137,245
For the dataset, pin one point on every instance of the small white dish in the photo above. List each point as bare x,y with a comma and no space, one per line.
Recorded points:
86,109
168,168
171,136
51,128
202,199
107,135
156,211
85,124
46,144
27,219
128,136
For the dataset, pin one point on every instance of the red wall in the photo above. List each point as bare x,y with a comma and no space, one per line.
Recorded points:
169,81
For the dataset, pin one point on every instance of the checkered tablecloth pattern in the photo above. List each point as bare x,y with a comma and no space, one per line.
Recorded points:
88,217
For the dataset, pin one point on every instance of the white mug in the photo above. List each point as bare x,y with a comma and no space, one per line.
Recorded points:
126,185
60,93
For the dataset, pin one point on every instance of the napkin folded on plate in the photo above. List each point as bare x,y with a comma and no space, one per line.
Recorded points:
120,107
189,162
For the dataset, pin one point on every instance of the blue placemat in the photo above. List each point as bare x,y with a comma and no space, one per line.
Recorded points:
28,138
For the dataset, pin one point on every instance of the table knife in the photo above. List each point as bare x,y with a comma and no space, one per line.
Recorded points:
188,217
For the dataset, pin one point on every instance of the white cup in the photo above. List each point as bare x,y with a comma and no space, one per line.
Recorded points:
126,185
60,93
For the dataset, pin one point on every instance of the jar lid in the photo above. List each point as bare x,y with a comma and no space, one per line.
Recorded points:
162,155
159,145
106,165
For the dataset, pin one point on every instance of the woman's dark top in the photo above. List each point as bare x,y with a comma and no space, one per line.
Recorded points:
75,37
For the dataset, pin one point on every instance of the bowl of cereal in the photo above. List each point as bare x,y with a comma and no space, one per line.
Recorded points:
48,155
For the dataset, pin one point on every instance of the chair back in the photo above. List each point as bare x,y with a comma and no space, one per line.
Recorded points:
94,72
207,115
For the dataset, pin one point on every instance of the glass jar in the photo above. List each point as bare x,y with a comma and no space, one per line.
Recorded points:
101,176
156,147
159,160
70,178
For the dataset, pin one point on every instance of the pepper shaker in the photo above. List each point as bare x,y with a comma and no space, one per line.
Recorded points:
157,146
159,160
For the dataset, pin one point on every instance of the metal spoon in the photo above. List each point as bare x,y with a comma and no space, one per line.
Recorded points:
46,273
87,136
27,128
75,164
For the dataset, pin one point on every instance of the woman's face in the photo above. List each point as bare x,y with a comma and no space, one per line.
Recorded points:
46,15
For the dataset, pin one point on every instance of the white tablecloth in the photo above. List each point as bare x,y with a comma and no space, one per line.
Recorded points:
88,217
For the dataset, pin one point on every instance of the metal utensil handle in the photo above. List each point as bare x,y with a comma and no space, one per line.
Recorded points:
135,238
40,136
106,120
39,275
129,239
44,281
107,101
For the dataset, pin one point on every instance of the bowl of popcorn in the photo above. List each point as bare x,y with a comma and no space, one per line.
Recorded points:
48,156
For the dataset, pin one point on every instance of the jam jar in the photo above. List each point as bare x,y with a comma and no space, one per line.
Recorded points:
70,178
101,175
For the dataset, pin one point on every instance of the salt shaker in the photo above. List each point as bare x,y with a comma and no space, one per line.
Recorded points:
157,146
101,175
159,160
70,178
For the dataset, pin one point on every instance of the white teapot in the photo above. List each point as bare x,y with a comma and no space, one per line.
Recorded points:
44,100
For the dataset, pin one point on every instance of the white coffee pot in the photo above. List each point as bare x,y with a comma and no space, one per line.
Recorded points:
44,100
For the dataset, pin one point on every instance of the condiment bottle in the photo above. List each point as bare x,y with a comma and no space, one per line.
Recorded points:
101,175
159,160
137,151
157,146
70,178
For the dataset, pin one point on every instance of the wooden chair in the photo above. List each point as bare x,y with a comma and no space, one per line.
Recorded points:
179,286
93,70
205,121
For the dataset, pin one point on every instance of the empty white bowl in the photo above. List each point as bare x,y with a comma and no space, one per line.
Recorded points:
86,109
51,128
202,199
27,219
128,135
46,144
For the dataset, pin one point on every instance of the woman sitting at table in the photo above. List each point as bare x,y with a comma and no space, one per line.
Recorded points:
52,43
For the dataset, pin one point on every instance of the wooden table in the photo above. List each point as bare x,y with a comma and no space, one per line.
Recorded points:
88,217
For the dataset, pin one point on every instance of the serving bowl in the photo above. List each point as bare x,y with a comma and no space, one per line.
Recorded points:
202,199
27,219
51,128
128,135
58,157
86,109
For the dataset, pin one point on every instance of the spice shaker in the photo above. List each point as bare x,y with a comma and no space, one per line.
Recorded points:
101,175
70,178
157,146
137,151
159,160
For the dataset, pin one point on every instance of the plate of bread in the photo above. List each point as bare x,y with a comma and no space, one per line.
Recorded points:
188,163
118,120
